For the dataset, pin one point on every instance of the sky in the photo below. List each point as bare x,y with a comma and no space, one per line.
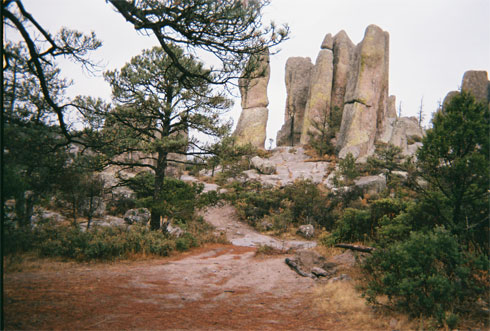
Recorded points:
432,43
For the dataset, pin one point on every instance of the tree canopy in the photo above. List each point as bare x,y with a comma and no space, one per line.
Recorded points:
230,30
38,53
153,113
454,162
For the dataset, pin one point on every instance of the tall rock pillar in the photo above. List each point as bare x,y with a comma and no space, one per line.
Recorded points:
252,124
297,78
366,98
320,92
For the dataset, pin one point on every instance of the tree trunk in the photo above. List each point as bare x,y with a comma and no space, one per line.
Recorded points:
159,179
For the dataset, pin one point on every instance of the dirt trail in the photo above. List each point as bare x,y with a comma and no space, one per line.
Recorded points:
217,287
225,219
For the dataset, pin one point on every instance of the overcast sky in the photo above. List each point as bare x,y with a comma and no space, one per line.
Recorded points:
432,42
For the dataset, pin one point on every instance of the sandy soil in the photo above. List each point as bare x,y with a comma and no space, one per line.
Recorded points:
217,287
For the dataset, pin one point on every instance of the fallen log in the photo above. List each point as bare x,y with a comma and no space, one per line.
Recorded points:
360,248
293,265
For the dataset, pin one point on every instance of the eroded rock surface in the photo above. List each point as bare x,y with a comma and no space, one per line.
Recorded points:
252,124
298,75
320,94
476,82
366,98
349,90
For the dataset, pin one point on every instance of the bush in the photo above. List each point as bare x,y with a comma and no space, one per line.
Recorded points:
365,225
102,243
299,203
354,226
425,275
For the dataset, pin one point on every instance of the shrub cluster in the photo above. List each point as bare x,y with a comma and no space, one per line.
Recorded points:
427,275
302,202
103,243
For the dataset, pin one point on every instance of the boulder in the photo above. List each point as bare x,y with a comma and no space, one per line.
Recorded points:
137,216
174,230
319,96
448,98
263,166
476,83
407,132
371,184
306,231
308,263
297,78
366,98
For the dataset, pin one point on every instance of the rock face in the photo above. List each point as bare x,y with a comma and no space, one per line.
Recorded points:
407,132
319,96
265,167
350,82
476,83
366,98
251,127
343,50
298,76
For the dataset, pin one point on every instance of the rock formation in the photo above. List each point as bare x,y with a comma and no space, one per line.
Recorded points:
298,74
320,94
348,82
476,83
251,127
366,98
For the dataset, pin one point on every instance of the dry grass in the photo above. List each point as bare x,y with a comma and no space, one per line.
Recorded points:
343,301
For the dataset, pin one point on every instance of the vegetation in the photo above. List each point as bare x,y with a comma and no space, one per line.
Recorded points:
103,243
430,229
230,31
154,111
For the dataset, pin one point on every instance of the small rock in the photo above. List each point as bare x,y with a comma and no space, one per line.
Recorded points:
139,215
174,230
306,231
263,166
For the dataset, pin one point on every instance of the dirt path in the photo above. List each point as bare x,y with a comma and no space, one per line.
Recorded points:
225,219
217,287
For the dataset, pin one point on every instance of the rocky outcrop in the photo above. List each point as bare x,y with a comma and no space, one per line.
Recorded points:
476,83
251,127
265,167
407,134
366,99
298,76
350,83
309,263
319,96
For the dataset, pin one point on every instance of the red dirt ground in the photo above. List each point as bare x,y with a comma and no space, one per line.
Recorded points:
218,287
